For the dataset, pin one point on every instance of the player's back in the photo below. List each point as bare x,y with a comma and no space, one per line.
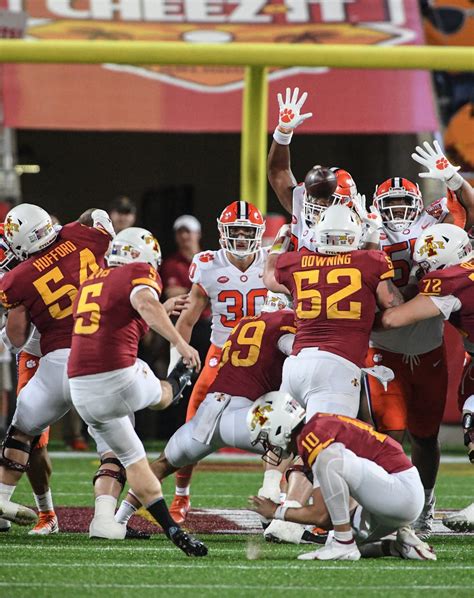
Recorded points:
107,329
456,281
334,298
46,283
251,363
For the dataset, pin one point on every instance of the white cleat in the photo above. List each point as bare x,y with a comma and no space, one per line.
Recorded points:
423,526
16,513
333,551
284,532
409,546
5,525
107,529
462,521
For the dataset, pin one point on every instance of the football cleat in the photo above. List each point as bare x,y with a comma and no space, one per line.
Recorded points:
333,551
179,508
408,545
16,513
105,528
314,535
181,375
462,521
5,525
47,524
423,526
189,545
284,532
136,534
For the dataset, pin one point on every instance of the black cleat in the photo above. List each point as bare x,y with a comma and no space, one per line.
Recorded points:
189,545
136,534
180,377
314,538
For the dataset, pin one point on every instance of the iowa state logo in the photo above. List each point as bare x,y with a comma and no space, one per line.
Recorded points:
430,247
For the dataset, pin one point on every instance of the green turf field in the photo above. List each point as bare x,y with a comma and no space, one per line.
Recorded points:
238,565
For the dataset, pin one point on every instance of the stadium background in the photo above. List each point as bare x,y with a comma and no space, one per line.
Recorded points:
169,138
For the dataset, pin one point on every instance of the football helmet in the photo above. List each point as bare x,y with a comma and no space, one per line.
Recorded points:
338,230
399,202
8,259
241,226
134,245
442,245
276,302
27,230
271,421
344,194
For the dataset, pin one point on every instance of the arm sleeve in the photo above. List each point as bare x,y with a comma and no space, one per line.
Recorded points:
285,343
145,275
140,287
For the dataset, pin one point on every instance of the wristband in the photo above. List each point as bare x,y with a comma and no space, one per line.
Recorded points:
280,513
282,138
455,182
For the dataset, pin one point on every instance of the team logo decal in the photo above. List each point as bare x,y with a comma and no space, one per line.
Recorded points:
11,227
377,358
222,279
213,362
355,382
429,248
31,363
244,278
260,416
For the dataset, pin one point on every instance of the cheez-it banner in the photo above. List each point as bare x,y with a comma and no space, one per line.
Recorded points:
201,98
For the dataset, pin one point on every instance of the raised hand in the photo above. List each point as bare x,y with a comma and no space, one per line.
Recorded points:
290,115
436,163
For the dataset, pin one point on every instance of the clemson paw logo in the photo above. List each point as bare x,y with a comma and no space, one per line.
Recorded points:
442,163
287,115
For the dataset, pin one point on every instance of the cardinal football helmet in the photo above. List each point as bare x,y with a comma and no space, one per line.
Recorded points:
271,421
276,301
399,202
442,245
134,245
27,230
338,230
241,226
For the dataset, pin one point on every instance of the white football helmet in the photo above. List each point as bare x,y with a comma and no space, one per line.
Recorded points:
27,230
271,421
134,245
276,301
338,230
442,245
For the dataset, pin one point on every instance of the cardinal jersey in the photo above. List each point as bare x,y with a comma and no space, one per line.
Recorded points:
231,292
107,329
46,283
302,235
452,291
323,429
334,297
251,362
426,335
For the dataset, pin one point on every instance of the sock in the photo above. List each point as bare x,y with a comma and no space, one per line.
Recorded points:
160,512
429,494
44,502
105,506
183,477
6,492
126,510
182,491
344,537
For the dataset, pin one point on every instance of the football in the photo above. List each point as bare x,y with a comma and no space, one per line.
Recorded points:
320,182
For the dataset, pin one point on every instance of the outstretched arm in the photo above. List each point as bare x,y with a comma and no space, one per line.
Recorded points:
419,308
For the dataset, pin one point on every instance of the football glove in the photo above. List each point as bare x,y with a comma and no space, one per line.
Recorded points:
437,165
289,110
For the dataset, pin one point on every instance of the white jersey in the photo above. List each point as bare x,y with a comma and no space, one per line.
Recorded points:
426,335
302,235
232,293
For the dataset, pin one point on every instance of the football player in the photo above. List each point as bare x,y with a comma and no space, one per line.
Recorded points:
445,253
347,459
301,200
252,360
40,291
335,291
231,280
115,307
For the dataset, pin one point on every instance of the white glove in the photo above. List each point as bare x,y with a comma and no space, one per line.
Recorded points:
100,218
289,115
437,165
282,240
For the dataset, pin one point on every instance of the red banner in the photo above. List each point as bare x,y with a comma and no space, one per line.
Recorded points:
200,98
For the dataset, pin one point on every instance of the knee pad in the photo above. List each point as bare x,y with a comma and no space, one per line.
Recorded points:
119,475
12,443
301,469
329,457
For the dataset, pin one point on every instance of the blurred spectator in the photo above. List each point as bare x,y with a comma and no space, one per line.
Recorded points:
123,213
